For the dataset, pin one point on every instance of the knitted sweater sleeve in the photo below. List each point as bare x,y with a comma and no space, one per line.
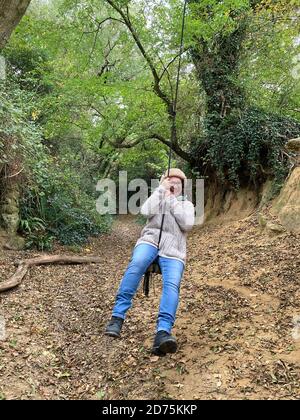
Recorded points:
151,206
184,213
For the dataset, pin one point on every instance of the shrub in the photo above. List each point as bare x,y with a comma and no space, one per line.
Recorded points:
249,146
68,213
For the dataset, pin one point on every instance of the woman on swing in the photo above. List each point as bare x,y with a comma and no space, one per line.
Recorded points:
170,253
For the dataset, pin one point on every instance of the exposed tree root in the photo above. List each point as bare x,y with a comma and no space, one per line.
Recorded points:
23,267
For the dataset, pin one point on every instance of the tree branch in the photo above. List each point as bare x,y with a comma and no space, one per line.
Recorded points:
16,174
99,24
107,65
120,144
156,87
23,267
169,77
171,62
97,30
11,13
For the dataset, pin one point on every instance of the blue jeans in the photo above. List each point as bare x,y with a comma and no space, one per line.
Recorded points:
143,255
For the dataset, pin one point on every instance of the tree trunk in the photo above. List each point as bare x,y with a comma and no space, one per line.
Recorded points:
217,65
11,12
217,70
9,215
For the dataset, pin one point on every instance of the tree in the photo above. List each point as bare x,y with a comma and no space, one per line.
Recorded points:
11,12
158,89
227,145
115,67
215,42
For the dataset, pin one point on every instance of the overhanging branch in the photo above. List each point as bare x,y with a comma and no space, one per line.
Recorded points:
156,86
122,144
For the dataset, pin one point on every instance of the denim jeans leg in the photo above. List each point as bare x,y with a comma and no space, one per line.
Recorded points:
172,271
143,255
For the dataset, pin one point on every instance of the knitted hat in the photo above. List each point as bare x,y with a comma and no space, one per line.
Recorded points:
174,172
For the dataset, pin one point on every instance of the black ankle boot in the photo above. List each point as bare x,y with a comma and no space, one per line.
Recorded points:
164,343
113,328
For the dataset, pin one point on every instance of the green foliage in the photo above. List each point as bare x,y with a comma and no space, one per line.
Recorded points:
68,212
77,93
211,19
269,70
28,67
31,225
146,161
74,225
35,230
42,241
58,198
17,131
20,139
249,146
233,48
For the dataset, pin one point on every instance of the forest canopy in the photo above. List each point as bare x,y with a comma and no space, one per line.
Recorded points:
89,91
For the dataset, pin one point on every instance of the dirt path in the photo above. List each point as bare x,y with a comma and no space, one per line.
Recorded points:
236,326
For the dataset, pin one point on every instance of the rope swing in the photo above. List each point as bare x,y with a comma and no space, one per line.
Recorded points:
154,267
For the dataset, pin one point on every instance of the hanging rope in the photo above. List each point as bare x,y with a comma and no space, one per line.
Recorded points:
173,128
153,268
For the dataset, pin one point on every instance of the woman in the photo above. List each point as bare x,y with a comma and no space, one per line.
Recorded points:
170,255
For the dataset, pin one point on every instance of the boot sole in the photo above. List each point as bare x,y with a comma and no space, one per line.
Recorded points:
112,334
168,346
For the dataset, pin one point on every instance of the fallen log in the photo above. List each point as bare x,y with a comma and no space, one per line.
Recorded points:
24,265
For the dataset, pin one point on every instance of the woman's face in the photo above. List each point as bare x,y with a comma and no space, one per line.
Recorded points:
176,185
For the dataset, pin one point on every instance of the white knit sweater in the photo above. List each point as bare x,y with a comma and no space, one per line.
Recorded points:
179,219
